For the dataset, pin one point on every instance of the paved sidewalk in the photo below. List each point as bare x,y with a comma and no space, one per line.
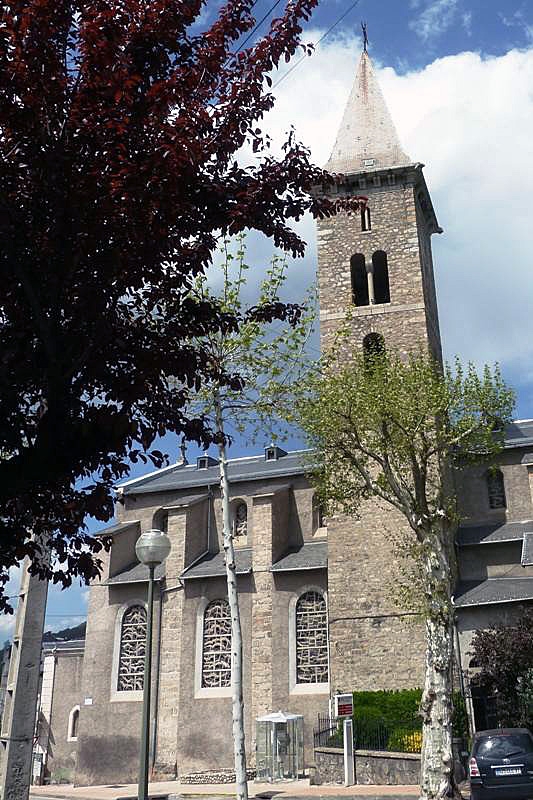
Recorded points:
297,790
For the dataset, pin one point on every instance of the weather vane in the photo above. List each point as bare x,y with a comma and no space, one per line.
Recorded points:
365,36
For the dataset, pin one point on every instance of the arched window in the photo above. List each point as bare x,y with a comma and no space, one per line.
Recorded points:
318,514
160,520
373,346
366,223
132,650
311,638
496,489
381,277
239,520
216,647
73,720
359,280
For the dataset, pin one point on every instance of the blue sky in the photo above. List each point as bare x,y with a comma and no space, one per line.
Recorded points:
458,78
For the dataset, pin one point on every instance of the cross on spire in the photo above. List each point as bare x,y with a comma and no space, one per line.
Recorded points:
364,28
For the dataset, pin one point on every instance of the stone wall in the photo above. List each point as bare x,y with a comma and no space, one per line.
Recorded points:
371,767
62,751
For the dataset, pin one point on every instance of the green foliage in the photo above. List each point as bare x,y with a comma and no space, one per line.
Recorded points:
266,350
504,657
391,707
460,717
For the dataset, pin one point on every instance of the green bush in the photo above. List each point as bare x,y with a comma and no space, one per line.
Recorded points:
388,706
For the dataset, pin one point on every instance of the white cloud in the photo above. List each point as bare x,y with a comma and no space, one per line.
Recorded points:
470,120
518,20
437,17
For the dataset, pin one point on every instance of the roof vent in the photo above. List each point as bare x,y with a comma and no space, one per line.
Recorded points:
205,461
272,453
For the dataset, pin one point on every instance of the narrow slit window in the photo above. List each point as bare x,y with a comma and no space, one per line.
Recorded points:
359,280
496,489
373,347
240,520
381,277
366,222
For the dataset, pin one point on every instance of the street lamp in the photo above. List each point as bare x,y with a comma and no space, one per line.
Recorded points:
152,548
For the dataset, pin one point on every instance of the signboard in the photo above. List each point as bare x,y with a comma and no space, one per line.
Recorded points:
344,705
37,766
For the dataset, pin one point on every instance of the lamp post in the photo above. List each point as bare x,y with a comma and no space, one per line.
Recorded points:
152,548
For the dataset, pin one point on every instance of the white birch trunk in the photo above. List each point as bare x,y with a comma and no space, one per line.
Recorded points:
239,749
437,768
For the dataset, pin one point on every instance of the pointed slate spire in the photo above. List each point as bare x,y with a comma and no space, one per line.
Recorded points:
367,138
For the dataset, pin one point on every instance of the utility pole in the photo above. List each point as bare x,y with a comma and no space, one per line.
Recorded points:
18,721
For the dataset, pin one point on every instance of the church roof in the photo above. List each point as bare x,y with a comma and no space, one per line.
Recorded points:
309,555
249,468
494,532
367,138
212,565
493,591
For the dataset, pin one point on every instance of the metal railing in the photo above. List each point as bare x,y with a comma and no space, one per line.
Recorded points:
371,734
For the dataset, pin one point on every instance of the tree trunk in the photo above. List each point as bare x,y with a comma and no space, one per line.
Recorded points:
239,749
437,778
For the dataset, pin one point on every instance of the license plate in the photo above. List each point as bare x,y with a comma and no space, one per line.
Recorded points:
508,771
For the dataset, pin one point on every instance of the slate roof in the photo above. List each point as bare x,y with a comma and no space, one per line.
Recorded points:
491,533
310,555
185,476
117,527
367,132
527,550
213,565
136,573
519,433
493,591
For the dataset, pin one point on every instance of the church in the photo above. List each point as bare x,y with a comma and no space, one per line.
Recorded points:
317,611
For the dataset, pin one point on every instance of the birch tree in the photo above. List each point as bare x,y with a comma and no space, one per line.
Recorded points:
392,429
251,364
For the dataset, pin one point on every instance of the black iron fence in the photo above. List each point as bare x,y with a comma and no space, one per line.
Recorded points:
371,734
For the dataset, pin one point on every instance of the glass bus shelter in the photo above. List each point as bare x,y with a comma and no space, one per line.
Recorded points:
280,747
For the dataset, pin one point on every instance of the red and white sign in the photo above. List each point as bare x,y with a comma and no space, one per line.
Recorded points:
343,705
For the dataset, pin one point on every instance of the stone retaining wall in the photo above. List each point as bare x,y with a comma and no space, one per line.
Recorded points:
374,767
214,776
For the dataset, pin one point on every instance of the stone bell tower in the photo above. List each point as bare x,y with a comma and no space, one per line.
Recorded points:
378,263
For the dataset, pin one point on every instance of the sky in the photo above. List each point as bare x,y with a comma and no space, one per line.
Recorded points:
457,76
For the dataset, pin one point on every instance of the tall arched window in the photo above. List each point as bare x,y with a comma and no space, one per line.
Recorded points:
73,720
216,646
366,222
132,650
359,280
239,519
496,489
311,638
373,346
381,277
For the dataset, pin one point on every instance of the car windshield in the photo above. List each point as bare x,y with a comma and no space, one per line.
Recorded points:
502,745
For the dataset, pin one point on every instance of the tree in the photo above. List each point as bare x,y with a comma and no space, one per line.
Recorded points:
390,428
250,366
504,656
120,121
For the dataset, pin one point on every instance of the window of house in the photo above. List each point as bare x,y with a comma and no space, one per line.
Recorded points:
73,720
381,277
496,489
318,514
132,650
240,520
366,222
216,645
359,280
311,639
373,346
